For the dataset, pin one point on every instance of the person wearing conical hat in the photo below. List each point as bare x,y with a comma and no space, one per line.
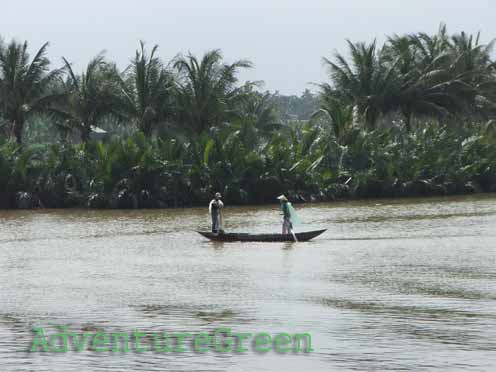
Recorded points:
287,225
215,210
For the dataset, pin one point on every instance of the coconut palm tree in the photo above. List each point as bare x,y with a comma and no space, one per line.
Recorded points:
365,82
431,49
472,61
208,91
472,55
89,97
432,82
256,123
435,91
259,109
148,90
337,113
25,85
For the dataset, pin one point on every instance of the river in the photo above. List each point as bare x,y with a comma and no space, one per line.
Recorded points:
404,284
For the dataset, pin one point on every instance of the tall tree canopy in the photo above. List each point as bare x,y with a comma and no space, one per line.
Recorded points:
148,90
208,93
25,84
417,75
89,97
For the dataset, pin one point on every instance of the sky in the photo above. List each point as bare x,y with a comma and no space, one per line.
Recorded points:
285,39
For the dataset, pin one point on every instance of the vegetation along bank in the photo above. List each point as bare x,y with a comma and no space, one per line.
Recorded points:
415,116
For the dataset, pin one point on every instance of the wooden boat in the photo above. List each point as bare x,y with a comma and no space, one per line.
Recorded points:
241,237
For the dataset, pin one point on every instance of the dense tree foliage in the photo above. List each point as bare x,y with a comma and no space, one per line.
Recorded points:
26,85
87,98
418,76
415,116
147,91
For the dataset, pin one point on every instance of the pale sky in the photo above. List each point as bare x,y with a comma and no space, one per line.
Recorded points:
285,39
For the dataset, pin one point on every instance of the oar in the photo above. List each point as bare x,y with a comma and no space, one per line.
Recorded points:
294,235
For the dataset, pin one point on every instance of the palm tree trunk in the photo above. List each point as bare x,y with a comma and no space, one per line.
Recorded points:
337,131
355,116
408,123
408,120
17,127
85,133
146,128
371,120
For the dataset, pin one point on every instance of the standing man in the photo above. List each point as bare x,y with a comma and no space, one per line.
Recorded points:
287,226
215,210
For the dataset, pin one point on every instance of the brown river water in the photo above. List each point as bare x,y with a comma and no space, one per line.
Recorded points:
405,284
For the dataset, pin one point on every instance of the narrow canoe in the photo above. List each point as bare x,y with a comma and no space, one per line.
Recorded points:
240,237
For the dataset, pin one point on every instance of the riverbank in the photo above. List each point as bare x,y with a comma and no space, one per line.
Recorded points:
25,200
304,162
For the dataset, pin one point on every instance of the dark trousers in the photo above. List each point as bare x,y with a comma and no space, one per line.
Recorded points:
215,222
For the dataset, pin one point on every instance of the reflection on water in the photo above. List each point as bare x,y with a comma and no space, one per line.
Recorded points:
393,285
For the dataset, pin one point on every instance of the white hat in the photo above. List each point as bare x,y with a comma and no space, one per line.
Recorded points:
282,198
218,195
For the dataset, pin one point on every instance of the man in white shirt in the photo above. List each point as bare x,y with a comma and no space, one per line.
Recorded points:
215,210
